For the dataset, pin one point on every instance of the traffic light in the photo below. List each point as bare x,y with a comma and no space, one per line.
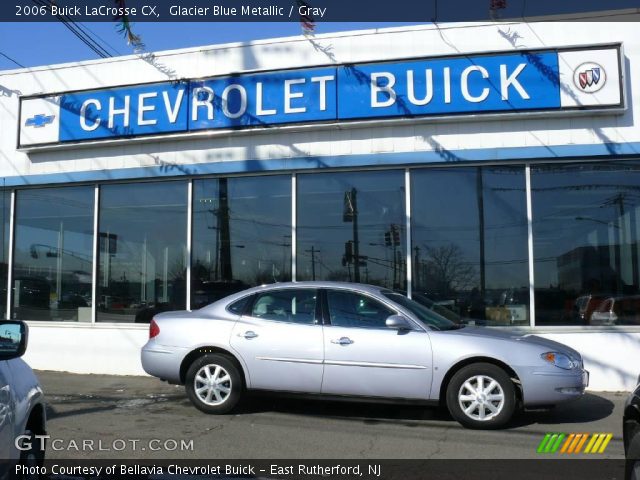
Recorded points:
348,251
395,231
387,238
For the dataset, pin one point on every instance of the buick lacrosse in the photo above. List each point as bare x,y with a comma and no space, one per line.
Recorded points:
342,340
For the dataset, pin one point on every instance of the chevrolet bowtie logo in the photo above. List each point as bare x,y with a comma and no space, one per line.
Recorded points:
39,120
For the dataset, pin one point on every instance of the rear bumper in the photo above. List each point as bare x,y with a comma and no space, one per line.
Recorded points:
544,387
162,361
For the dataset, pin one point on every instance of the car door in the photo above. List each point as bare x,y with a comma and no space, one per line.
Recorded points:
365,357
6,417
280,340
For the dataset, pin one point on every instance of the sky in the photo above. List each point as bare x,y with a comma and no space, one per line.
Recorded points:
34,44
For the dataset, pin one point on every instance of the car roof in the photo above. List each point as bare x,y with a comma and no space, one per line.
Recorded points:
361,287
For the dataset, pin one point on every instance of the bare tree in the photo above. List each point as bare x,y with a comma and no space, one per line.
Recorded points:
447,270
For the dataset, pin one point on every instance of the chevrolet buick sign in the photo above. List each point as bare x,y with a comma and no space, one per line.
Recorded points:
498,83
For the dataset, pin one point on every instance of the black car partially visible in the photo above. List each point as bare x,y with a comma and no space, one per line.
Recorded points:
631,433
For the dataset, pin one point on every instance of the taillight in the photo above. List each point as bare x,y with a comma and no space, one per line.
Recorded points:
154,329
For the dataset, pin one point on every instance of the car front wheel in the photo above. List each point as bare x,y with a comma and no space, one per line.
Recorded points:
214,384
481,396
32,456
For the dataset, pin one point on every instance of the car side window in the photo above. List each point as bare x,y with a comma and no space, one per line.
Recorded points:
289,305
350,309
238,306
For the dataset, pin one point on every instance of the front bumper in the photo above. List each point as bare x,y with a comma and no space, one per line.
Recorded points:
550,387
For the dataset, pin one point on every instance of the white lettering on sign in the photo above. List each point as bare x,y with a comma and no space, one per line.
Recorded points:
124,111
411,91
289,95
447,84
83,115
388,88
259,108
464,84
512,80
225,101
198,102
146,108
323,89
172,111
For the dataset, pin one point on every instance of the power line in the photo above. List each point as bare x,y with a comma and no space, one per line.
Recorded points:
81,34
12,60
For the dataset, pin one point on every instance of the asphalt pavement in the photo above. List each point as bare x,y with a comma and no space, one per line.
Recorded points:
114,417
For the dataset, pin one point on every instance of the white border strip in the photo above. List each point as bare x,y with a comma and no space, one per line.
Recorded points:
189,241
407,213
12,216
96,244
532,303
294,225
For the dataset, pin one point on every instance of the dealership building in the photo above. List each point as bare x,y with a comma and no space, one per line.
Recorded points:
489,170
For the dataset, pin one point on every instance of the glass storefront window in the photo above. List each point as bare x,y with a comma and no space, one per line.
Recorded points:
469,243
586,231
53,256
241,235
5,210
141,250
351,227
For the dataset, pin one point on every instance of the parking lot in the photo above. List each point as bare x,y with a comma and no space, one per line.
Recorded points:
99,416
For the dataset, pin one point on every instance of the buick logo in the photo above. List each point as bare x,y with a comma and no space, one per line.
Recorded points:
589,77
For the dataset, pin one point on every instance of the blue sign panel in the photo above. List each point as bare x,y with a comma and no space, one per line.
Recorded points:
447,86
264,99
508,82
127,111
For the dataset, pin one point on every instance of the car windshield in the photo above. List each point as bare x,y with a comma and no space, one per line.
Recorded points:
424,314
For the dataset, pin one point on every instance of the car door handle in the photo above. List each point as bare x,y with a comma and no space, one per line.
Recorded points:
249,334
343,341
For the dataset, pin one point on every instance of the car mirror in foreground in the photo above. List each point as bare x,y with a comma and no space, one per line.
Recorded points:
13,339
398,322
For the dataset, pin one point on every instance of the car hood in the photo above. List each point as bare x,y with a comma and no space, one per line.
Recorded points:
545,343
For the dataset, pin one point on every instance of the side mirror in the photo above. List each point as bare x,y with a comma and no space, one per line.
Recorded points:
398,322
13,339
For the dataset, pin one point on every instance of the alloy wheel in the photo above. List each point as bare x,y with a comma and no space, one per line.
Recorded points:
481,398
212,384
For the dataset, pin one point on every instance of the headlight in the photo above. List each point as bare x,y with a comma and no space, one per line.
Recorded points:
559,360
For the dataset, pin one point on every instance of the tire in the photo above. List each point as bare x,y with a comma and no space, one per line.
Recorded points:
492,407
632,464
218,397
33,457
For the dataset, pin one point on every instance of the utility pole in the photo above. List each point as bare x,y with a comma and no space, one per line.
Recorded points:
356,242
350,214
224,231
313,252
480,197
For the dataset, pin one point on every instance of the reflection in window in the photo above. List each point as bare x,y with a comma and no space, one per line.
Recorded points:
469,234
53,259
351,227
586,229
349,309
142,250
290,305
241,235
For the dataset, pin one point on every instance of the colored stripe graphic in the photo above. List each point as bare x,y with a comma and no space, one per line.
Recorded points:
573,443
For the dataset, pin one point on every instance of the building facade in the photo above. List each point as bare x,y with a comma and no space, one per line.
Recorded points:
491,171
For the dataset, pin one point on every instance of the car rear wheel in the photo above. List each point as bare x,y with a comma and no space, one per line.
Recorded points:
481,396
214,384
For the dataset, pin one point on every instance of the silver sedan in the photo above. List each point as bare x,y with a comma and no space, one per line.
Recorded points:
343,340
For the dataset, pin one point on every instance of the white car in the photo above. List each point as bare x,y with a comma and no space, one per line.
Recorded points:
22,408
349,340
